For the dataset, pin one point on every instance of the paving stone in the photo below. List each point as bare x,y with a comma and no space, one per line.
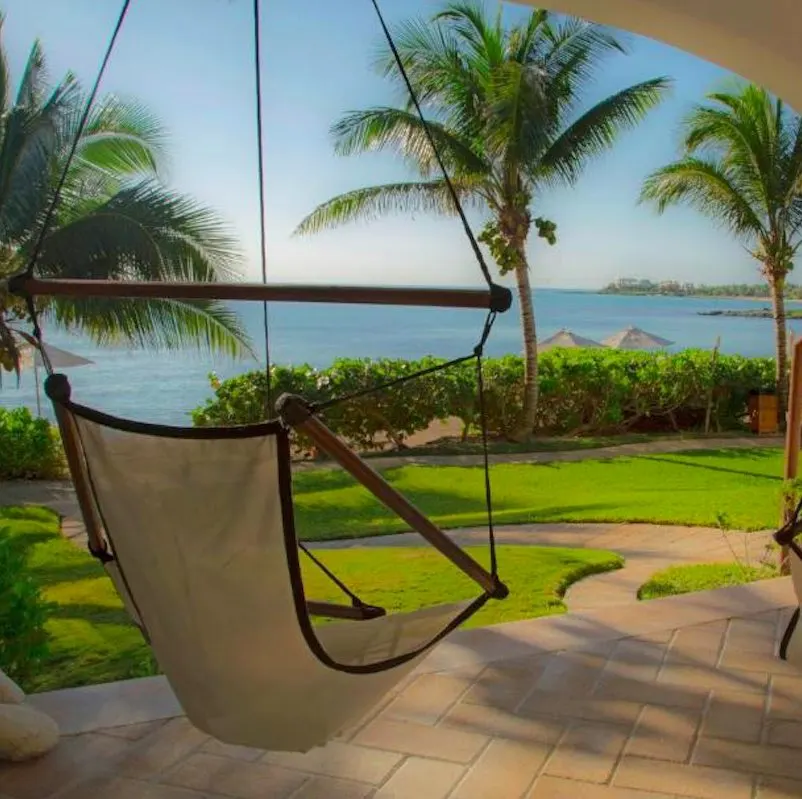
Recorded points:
75,758
751,635
505,684
421,778
427,699
643,652
715,679
778,788
735,715
172,742
786,697
418,739
117,788
665,733
785,733
682,780
588,752
342,760
592,708
754,758
214,747
329,788
237,778
504,770
134,732
700,636
572,673
548,787
767,660
655,693
494,722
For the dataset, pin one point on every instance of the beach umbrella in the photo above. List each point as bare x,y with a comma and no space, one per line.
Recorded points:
59,359
567,338
633,338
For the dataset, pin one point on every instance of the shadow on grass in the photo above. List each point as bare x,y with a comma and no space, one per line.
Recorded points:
675,461
96,614
393,525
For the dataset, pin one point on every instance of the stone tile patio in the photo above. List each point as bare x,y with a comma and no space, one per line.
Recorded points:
680,697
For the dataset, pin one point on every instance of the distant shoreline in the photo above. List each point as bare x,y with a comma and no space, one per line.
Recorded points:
729,297
762,313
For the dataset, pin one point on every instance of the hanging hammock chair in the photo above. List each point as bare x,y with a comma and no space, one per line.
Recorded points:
195,526
791,643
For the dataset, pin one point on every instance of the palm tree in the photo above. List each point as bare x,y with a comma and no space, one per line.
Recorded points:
503,109
115,220
742,167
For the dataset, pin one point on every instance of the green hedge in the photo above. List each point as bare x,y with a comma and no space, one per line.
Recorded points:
581,392
30,448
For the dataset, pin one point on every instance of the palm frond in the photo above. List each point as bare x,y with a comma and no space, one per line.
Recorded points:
704,185
143,232
121,137
378,201
207,325
518,124
598,129
448,83
467,20
572,53
4,76
28,160
404,132
522,39
34,78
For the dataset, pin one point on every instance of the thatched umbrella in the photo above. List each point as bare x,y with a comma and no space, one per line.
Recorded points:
567,338
633,338
60,359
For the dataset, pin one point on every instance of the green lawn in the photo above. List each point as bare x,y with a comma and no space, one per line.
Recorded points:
688,488
93,641
702,577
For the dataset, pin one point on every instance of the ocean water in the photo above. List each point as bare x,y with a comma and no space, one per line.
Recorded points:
165,386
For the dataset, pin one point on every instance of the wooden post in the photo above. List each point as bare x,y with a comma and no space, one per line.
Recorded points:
793,432
297,414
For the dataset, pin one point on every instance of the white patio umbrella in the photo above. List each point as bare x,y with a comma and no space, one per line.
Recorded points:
567,338
633,338
61,359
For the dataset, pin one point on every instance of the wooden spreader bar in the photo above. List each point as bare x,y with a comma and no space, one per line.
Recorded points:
296,413
496,298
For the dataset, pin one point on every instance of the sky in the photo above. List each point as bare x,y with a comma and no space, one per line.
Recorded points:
191,63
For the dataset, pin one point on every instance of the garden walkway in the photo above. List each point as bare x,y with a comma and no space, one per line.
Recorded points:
676,697
647,548
597,453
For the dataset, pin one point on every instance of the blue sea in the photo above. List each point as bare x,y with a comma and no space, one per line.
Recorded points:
166,386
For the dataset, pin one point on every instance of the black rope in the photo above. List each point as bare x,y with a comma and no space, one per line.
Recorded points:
37,333
451,190
257,62
355,600
398,381
491,532
366,392
37,250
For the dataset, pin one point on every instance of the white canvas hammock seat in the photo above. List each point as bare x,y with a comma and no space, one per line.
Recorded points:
195,526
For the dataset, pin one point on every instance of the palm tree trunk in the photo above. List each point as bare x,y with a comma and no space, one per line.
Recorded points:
777,287
530,345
